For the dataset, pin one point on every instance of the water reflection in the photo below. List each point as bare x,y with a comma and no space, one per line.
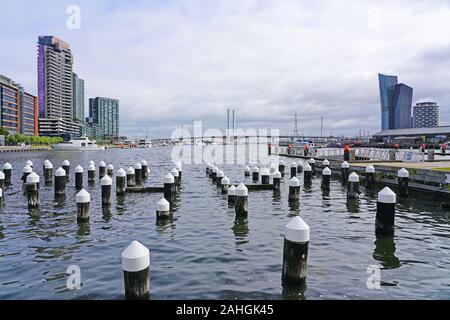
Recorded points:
353,205
120,201
405,204
55,226
59,201
371,194
174,205
240,230
84,229
295,292
294,206
166,226
276,196
106,214
34,214
307,187
384,252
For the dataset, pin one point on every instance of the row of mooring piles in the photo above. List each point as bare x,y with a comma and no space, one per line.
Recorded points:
297,233
172,186
136,257
238,196
297,238
308,170
352,180
83,197
31,180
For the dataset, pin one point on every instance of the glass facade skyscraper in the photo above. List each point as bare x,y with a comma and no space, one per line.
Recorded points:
402,107
78,98
387,84
105,113
396,103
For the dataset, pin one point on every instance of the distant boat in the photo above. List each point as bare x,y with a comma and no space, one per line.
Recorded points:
144,143
78,144
199,142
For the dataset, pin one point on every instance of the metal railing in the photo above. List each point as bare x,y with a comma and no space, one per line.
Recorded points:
389,154
361,153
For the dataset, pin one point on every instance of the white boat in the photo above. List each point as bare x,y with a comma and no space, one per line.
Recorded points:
78,144
199,142
144,143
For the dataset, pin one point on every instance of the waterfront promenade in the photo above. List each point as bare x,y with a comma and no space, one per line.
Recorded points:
23,148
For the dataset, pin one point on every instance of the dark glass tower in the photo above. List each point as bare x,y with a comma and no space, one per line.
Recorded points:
402,107
105,113
387,85
396,103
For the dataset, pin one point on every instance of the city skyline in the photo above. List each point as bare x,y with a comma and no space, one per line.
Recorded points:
269,60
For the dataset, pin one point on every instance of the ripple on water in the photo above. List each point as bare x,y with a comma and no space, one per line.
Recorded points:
204,252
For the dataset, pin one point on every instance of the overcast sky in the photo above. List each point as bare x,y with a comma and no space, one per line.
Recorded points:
173,62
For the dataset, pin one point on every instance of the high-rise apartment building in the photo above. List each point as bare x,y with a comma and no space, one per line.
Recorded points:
396,102
55,89
78,98
426,115
105,113
18,109
92,129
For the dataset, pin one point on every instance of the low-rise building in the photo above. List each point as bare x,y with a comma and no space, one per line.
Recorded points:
18,109
426,115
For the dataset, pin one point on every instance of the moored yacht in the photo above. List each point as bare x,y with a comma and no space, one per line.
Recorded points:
78,144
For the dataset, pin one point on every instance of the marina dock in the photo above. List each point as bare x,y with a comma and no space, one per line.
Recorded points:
427,176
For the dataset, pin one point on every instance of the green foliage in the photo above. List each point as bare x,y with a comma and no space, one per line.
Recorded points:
16,139
103,142
4,131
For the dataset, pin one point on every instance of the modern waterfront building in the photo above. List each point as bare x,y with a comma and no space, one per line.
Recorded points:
55,89
29,115
18,109
396,102
402,104
78,98
91,129
423,134
105,113
387,84
426,115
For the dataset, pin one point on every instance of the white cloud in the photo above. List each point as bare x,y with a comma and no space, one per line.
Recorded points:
190,60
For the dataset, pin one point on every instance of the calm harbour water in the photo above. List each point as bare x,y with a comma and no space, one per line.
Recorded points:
204,253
